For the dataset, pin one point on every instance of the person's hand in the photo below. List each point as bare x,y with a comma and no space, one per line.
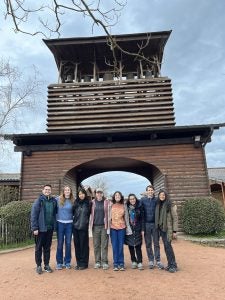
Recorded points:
35,232
174,235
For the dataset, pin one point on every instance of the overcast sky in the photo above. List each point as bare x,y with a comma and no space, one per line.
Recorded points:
194,58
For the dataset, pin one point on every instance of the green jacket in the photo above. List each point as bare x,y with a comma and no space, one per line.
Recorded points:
168,222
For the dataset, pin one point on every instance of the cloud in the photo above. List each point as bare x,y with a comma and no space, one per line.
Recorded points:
193,59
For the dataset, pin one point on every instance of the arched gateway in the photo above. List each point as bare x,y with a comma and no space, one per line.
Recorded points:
101,121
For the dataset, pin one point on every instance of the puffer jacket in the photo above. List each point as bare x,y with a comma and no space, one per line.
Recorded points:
136,237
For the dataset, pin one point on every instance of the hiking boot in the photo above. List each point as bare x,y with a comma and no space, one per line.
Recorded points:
105,266
97,265
159,265
39,270
59,267
140,266
48,269
151,265
134,265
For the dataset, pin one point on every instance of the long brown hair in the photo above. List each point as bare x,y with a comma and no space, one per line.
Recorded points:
62,198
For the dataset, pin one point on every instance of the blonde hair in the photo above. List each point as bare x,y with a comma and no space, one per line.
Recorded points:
62,197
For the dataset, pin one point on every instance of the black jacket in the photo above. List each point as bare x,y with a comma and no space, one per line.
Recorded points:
136,237
81,212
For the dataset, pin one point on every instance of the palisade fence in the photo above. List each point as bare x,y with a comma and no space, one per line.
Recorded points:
14,233
15,223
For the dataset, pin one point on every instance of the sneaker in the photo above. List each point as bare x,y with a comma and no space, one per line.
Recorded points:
105,266
167,268
83,268
97,265
121,268
48,269
172,270
59,267
140,266
68,266
115,268
134,265
160,266
151,265
39,270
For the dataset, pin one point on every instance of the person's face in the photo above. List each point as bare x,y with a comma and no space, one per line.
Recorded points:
150,192
117,197
132,200
47,191
162,196
81,195
67,192
99,196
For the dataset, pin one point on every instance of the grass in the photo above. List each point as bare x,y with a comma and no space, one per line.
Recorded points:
16,245
217,235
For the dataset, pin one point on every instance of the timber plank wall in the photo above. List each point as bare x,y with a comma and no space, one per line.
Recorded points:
110,104
183,166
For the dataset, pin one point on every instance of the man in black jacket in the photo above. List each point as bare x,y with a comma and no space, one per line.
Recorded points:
43,220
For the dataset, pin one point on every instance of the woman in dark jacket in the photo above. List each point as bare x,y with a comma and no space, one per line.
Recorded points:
81,211
167,222
134,241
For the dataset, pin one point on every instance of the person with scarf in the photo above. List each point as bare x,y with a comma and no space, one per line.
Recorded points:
166,221
134,241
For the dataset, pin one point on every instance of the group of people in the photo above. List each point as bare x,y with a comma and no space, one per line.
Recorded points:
126,222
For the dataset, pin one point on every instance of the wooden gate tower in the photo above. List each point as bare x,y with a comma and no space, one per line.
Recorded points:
101,121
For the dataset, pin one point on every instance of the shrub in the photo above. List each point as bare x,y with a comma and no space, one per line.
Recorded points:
203,215
8,194
15,222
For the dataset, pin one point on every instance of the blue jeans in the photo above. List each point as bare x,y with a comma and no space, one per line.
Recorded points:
64,232
117,240
168,250
152,235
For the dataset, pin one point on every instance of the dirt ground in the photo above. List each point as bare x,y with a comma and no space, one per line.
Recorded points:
201,276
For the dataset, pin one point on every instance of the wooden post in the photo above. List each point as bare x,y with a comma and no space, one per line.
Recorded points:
75,72
60,70
141,69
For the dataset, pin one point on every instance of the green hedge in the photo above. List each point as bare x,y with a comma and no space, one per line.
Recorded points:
15,222
8,194
203,216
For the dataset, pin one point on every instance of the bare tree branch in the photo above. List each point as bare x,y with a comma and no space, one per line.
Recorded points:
16,92
56,10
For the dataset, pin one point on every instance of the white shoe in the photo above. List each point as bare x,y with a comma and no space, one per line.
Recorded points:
140,266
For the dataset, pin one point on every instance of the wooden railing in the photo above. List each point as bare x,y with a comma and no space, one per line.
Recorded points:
110,104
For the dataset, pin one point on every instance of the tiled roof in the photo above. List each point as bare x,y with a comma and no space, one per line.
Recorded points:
9,176
217,174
